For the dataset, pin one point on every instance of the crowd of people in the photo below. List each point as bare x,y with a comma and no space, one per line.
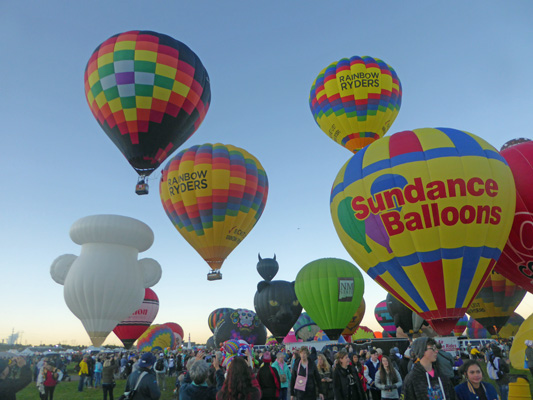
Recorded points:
422,371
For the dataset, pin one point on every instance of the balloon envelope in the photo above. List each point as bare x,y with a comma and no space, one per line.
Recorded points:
515,262
129,330
474,330
149,93
384,318
331,291
305,328
216,316
355,101
214,194
426,213
156,338
518,349
356,320
511,327
241,324
178,332
460,327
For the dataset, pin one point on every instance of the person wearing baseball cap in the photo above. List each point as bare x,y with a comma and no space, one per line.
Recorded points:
144,380
10,387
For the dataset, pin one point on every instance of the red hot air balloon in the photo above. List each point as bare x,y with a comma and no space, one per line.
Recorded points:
516,261
178,332
129,330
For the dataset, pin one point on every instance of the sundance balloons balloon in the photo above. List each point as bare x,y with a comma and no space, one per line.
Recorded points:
241,324
156,338
384,318
331,291
356,320
216,316
267,267
426,213
277,307
355,101
129,330
106,283
516,261
496,302
149,93
214,194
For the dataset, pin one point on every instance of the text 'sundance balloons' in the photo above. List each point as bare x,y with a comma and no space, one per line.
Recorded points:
331,290
516,261
355,101
496,302
214,194
149,93
426,213
129,330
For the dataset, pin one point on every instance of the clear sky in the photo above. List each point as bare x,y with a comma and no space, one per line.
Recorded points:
464,65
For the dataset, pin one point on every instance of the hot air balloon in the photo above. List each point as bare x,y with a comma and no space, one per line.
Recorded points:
149,93
214,194
356,320
129,330
290,338
496,302
267,267
355,101
518,349
321,337
210,344
384,318
178,332
156,338
277,306
511,327
305,328
241,324
331,291
106,283
516,261
403,316
216,316
426,213
474,330
460,327
362,332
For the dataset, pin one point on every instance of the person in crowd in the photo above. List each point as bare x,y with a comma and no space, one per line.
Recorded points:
268,378
109,368
161,368
456,366
144,379
240,383
83,373
47,380
171,365
123,363
89,381
395,356
529,355
10,386
284,373
474,388
445,362
500,369
388,379
313,356
372,365
404,363
305,380
194,383
326,377
359,368
425,381
98,367
346,383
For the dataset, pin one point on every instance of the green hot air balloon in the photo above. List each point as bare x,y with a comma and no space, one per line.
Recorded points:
331,291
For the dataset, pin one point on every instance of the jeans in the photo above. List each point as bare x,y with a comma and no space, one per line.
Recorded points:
504,391
97,378
48,393
80,383
283,393
108,388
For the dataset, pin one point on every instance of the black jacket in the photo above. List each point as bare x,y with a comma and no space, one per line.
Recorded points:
346,384
10,387
266,380
313,381
416,384
148,389
190,391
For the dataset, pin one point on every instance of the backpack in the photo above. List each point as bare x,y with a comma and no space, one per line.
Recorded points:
494,372
160,365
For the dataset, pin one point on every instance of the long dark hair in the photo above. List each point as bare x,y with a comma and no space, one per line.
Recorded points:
238,383
383,373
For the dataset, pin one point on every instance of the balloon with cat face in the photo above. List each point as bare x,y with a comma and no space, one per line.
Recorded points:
277,307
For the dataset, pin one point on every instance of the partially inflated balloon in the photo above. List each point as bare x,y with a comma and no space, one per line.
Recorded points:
321,337
355,101
362,332
178,332
511,327
384,318
214,194
474,330
305,328
331,291
216,316
403,316
518,349
496,302
426,213
156,338
516,261
241,324
356,320
149,93
460,327
129,330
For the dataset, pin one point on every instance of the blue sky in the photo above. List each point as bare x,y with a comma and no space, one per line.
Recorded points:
463,65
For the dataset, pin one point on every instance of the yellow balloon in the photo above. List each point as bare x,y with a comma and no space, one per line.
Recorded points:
518,350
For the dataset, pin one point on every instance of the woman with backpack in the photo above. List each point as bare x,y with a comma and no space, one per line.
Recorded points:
497,369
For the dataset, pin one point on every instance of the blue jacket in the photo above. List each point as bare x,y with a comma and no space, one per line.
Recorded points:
148,389
465,391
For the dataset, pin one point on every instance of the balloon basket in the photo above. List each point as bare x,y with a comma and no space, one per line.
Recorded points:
214,276
141,187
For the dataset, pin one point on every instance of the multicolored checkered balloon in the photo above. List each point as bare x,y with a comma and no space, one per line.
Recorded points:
356,100
149,93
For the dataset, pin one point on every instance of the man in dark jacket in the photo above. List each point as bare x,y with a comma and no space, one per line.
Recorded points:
147,388
268,379
445,362
9,386
425,381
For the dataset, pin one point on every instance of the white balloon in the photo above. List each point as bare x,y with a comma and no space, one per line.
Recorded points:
106,283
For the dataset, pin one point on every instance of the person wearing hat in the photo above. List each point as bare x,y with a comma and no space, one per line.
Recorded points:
425,381
268,378
10,387
529,355
144,379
